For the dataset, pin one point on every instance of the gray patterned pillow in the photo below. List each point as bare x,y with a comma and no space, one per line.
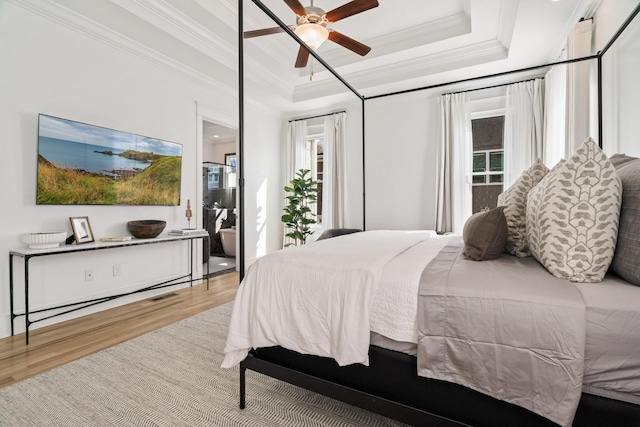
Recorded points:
534,198
514,199
576,211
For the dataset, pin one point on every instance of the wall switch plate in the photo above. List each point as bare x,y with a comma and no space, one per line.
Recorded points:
88,275
117,270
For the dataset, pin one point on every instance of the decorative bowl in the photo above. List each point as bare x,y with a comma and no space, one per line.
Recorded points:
146,228
45,240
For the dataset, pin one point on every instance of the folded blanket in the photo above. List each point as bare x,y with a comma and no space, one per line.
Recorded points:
506,328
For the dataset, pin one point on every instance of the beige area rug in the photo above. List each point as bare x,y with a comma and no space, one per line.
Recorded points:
170,377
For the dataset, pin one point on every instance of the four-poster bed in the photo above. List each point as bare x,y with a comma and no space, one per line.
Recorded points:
389,384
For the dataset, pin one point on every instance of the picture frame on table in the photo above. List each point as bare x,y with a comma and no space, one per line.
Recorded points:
81,227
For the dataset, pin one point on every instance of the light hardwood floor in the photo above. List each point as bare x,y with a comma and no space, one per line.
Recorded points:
64,342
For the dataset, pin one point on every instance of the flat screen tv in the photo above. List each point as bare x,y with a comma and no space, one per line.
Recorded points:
82,164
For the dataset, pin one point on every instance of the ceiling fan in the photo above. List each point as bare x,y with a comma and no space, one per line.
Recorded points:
312,27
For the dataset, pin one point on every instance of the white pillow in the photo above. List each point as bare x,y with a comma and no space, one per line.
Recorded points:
575,211
514,199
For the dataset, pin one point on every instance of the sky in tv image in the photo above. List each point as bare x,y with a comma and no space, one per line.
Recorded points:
68,130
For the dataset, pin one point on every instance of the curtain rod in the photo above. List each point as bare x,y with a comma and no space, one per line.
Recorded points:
494,86
488,76
315,117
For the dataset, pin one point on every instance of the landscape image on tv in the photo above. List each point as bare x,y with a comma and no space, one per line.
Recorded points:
81,164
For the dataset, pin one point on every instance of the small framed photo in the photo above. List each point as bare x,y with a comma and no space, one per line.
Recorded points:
81,229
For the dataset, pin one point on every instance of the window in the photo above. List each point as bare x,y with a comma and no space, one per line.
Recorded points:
314,158
488,161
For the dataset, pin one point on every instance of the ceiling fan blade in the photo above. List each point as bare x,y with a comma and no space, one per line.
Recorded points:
350,9
262,32
349,43
297,7
303,57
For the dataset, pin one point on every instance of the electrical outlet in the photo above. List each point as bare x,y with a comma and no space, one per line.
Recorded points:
117,270
88,275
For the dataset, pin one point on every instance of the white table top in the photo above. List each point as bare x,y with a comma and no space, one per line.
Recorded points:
26,251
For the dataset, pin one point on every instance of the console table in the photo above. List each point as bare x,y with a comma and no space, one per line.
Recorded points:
26,254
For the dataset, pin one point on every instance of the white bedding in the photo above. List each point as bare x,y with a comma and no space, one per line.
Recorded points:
395,306
316,298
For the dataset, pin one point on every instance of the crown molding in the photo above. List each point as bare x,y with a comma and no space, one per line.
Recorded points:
167,18
506,25
64,16
408,38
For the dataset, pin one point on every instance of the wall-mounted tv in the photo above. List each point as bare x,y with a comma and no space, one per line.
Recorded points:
82,164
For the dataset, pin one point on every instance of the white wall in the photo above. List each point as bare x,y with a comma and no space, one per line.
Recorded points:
263,201
620,65
400,164
215,151
52,69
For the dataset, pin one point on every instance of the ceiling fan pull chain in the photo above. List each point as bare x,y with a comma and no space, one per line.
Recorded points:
311,70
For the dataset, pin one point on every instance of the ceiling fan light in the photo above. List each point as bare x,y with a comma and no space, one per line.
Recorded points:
312,34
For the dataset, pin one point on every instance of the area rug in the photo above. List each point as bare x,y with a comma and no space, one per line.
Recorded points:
169,377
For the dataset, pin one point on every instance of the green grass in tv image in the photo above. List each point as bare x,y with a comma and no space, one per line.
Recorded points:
158,184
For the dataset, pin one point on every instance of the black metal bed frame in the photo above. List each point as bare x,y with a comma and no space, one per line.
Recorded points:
390,385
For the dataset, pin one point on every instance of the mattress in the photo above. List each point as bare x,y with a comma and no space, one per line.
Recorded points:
612,348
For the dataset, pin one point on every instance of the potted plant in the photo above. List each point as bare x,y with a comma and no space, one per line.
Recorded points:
297,218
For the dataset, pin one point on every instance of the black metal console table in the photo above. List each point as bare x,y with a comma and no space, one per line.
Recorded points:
26,254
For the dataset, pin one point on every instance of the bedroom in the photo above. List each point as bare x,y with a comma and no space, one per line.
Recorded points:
44,77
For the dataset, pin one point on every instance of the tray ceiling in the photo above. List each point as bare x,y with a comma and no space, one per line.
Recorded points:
414,42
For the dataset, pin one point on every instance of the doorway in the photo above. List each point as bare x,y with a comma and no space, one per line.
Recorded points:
219,196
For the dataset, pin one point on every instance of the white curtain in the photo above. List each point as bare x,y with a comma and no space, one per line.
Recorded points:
454,163
295,156
334,172
578,80
555,115
566,120
523,128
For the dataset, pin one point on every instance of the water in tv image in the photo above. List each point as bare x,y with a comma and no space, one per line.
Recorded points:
81,164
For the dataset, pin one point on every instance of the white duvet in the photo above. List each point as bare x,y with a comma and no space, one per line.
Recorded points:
317,298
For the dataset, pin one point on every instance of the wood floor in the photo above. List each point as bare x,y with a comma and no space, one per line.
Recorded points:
56,345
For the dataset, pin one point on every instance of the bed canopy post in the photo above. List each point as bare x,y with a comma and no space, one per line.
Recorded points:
241,133
600,113
364,186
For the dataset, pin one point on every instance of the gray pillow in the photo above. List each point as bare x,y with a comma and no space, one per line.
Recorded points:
335,232
626,260
618,160
485,234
